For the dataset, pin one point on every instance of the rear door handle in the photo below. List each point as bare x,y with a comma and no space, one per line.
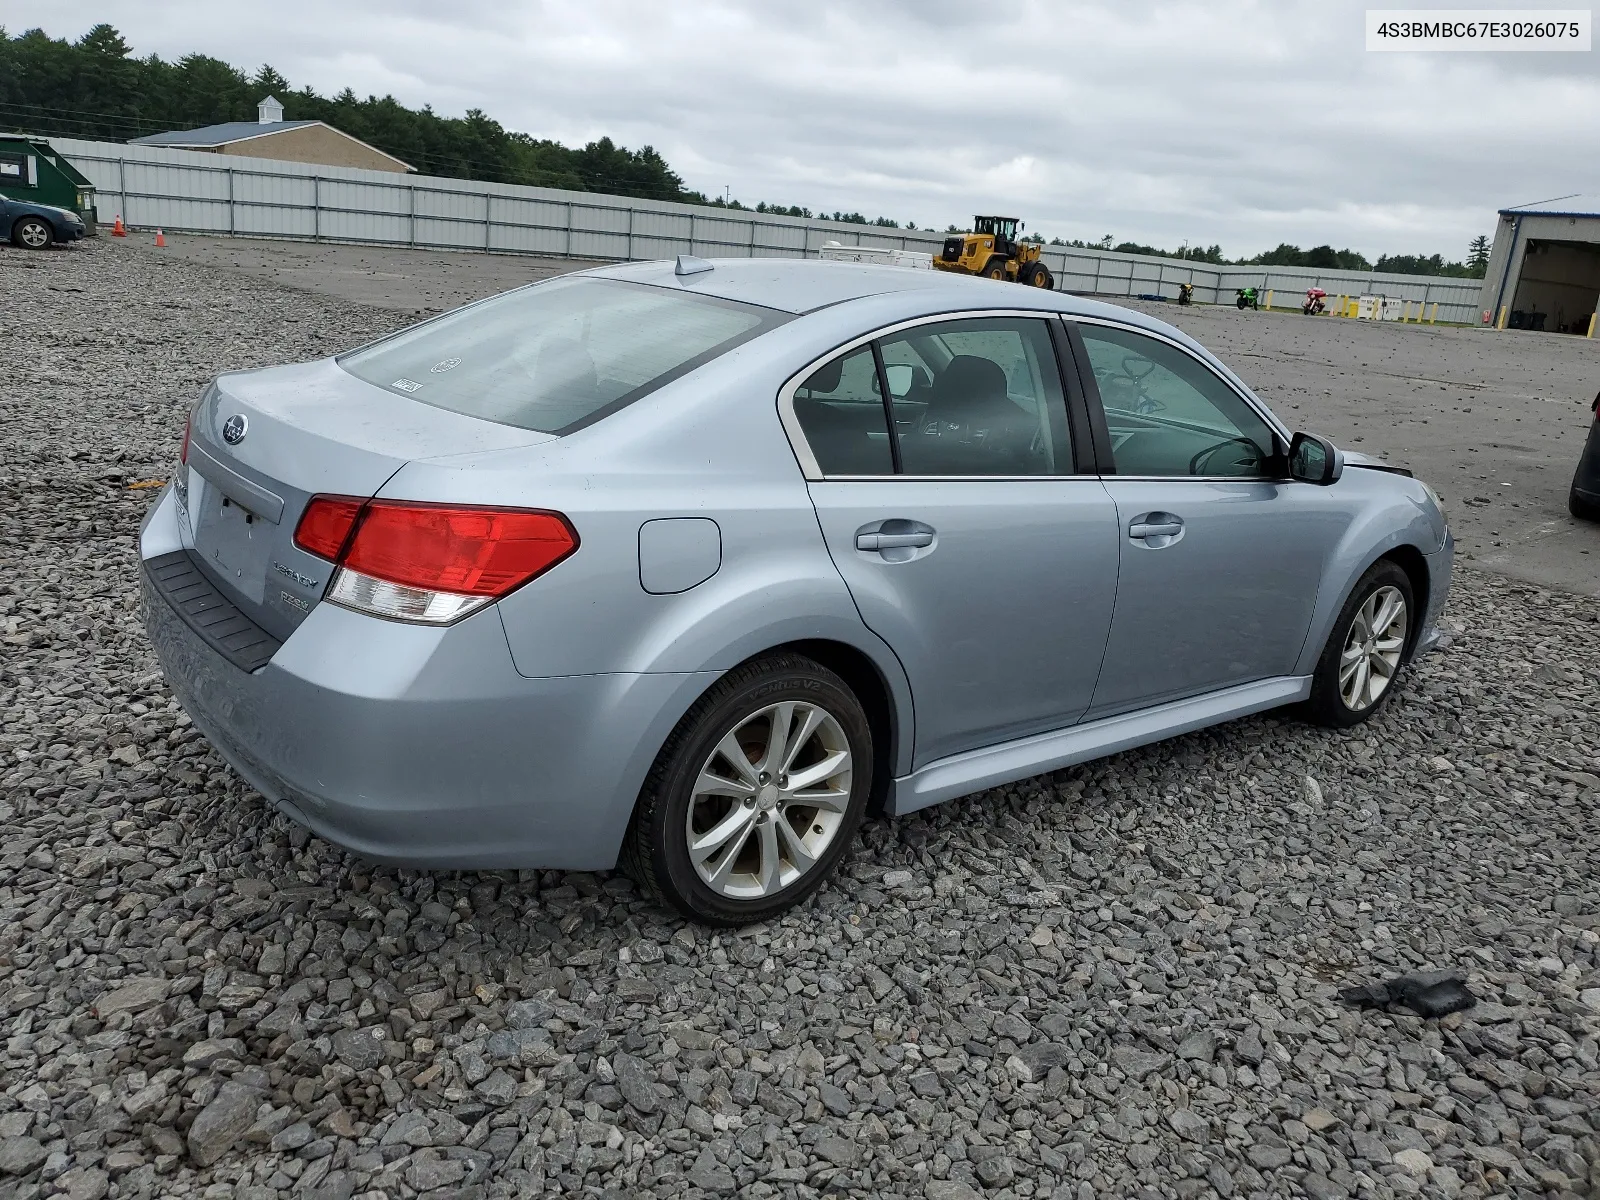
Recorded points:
1144,529
892,541
1155,530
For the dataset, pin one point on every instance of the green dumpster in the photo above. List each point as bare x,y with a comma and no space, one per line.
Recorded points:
30,169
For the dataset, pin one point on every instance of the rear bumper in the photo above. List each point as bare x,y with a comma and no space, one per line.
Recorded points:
422,746
1441,564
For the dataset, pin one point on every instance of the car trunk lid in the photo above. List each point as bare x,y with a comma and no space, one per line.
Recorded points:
262,443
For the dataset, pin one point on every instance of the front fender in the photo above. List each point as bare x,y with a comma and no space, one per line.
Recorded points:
1397,513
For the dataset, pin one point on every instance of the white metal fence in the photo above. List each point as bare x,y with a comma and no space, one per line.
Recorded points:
156,187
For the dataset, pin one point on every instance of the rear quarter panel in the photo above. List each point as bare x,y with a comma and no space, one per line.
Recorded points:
709,445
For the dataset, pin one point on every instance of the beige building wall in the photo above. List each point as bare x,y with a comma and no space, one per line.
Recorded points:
314,144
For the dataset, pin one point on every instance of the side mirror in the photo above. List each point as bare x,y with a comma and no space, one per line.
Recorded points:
1314,459
900,377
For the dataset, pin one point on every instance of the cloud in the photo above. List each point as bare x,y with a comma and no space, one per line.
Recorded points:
1241,123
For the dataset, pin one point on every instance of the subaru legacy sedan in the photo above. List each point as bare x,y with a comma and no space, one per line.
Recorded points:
689,566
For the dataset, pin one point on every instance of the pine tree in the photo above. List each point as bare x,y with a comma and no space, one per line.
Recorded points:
1478,256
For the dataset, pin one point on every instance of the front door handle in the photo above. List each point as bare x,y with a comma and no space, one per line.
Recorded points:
893,541
1155,529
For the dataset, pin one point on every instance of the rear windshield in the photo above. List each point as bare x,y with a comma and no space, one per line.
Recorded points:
560,355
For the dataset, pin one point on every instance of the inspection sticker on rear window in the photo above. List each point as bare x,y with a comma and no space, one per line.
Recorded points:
407,385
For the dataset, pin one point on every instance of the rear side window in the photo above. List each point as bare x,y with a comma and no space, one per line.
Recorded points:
840,407
558,356
977,397
981,397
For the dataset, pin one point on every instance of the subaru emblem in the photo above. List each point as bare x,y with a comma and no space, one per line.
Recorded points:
234,429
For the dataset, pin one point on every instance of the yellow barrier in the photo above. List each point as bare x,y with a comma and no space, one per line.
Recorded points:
1434,315
1505,311
1268,304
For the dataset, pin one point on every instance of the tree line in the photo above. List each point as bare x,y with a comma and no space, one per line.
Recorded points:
1324,257
94,87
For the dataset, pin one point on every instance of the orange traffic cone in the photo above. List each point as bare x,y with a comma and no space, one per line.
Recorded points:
161,238
119,229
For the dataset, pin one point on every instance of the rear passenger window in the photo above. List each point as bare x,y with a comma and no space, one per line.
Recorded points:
978,397
840,408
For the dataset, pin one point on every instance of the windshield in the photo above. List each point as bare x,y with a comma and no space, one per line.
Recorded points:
560,355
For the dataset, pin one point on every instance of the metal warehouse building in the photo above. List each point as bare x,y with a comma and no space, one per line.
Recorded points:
1544,270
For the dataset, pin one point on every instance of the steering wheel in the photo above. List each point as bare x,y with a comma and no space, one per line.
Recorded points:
1203,458
1125,389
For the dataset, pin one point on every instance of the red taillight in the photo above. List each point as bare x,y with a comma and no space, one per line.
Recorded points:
326,524
465,551
432,563
183,455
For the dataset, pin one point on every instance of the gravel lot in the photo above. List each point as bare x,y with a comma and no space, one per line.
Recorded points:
1116,980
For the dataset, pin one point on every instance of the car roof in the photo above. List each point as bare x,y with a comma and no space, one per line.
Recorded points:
804,285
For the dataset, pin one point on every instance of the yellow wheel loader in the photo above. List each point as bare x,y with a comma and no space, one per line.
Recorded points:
993,250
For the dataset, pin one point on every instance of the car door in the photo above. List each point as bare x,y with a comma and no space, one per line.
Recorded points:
968,539
1221,557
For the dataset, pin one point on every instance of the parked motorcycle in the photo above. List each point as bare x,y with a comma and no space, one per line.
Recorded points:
1246,297
1186,293
1314,302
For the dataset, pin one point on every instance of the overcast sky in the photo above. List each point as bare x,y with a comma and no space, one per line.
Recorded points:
1246,124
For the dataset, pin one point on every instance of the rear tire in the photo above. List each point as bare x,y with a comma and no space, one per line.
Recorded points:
32,233
731,840
1583,509
1370,643
996,268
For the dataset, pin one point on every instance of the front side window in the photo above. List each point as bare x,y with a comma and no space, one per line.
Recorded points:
559,355
1170,415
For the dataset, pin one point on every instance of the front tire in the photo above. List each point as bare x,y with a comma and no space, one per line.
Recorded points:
31,233
1582,507
756,796
1357,671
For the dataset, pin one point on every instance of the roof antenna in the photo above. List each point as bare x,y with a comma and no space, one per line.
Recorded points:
688,264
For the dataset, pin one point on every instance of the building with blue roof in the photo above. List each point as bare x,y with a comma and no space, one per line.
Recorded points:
1544,270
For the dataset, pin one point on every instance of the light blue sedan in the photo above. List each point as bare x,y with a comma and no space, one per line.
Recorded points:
689,566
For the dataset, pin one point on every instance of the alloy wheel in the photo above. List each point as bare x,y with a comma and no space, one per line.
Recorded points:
34,235
1372,648
769,800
